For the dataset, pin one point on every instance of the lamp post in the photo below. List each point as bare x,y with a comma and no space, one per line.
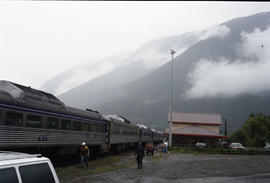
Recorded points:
170,132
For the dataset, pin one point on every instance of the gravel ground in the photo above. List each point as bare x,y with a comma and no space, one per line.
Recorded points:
182,168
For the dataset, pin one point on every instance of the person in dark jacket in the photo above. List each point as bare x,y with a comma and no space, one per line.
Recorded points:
140,154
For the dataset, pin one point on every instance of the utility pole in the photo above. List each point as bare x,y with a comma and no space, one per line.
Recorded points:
225,127
170,132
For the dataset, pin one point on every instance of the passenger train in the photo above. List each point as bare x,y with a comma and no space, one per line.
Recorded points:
31,119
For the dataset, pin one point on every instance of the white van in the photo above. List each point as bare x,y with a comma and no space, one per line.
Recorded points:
26,168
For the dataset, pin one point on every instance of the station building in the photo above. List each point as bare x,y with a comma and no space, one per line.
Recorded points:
189,128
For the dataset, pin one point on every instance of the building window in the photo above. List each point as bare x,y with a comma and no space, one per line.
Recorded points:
14,119
76,125
52,123
65,124
33,121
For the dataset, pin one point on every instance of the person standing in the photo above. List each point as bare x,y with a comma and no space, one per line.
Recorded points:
166,146
140,155
85,153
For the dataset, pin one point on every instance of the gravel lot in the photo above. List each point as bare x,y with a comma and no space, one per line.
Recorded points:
179,168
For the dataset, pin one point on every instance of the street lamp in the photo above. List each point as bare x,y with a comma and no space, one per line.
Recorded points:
170,132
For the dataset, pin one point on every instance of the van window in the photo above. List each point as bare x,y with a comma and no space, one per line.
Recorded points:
8,175
33,121
66,124
52,123
76,125
34,173
14,119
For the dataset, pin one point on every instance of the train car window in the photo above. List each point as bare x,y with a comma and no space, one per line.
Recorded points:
112,129
8,175
97,128
76,125
42,173
86,127
120,130
94,127
14,119
103,128
33,121
116,129
52,123
66,124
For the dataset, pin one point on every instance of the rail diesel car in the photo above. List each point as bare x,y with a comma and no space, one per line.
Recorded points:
31,119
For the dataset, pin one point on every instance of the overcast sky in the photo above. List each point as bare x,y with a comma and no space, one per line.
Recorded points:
39,40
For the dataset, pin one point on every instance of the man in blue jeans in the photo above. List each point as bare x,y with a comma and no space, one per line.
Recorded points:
85,153
165,147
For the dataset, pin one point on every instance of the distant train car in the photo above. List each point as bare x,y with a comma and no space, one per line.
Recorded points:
123,134
146,134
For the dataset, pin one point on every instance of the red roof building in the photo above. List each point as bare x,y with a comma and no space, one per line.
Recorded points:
189,128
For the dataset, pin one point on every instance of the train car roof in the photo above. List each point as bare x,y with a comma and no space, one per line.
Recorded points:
141,126
117,118
26,96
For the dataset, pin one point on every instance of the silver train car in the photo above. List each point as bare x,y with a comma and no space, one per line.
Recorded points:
122,133
150,135
33,119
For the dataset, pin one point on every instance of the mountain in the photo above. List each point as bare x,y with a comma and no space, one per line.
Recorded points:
151,55
224,71
147,58
82,73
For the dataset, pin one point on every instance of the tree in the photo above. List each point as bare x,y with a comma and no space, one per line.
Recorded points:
238,136
256,130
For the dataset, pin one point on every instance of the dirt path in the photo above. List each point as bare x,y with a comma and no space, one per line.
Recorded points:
173,167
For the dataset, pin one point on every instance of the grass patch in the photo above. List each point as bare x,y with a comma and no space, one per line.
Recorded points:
103,165
156,157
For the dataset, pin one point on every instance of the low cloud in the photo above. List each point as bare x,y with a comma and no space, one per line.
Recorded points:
223,78
83,73
217,31
154,54
151,55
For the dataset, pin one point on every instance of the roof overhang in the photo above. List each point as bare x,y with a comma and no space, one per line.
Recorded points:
195,123
198,135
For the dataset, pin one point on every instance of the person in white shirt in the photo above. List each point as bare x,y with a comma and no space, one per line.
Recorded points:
166,146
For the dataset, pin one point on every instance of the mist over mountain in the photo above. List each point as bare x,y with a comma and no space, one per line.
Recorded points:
151,55
224,70
82,73
147,58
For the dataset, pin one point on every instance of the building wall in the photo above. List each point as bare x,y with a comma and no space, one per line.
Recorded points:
189,141
214,128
